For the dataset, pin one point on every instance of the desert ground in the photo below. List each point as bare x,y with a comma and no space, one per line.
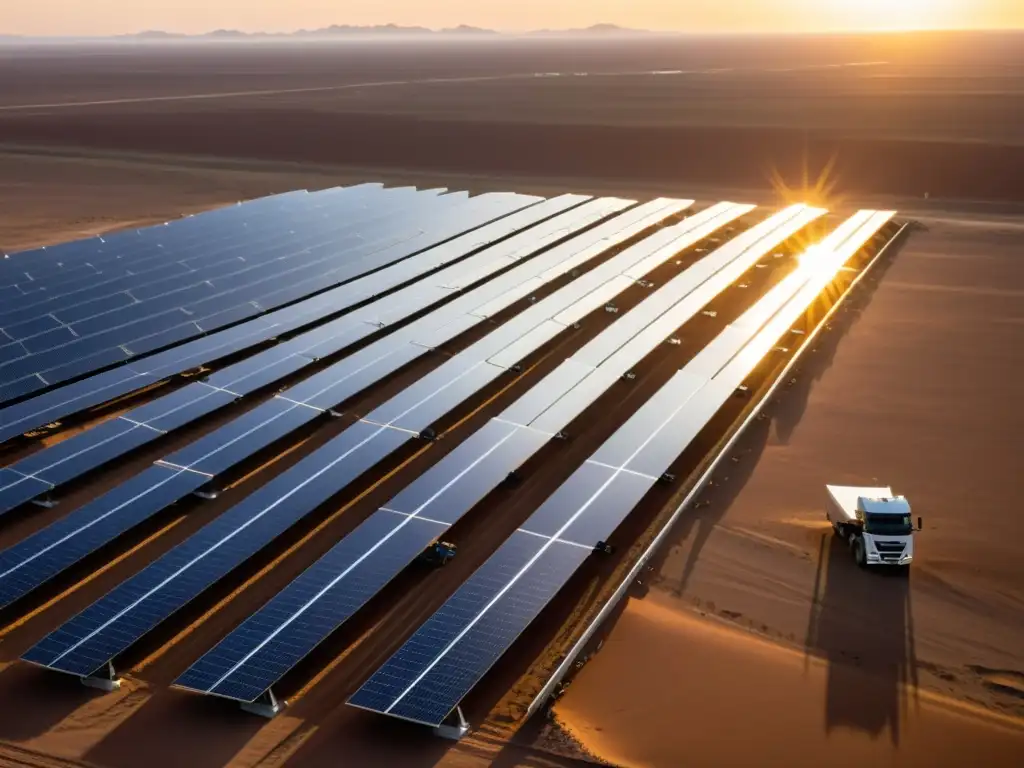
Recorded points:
753,640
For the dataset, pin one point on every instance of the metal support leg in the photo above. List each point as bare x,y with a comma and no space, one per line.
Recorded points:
454,730
265,706
107,682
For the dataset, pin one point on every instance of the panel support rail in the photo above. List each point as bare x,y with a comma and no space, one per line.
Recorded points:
266,705
569,660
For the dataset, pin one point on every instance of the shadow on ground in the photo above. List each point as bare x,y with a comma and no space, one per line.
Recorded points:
862,625
174,729
43,699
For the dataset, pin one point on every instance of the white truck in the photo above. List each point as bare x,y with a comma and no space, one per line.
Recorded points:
875,522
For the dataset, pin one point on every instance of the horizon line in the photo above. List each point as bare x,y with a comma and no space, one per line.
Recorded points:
466,30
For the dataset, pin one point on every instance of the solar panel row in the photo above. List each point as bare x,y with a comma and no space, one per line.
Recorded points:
235,441
77,297
229,303
253,657
116,512
130,610
81,453
179,284
98,259
64,401
162,271
428,676
97,251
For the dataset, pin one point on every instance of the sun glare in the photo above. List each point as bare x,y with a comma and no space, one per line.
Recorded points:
817,260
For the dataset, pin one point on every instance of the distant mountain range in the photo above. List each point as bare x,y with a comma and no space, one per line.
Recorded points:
345,30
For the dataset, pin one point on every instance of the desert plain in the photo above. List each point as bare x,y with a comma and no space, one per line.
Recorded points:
753,640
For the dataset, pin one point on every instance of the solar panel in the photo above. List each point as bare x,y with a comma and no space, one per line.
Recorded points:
35,560
110,384
252,524
428,676
253,657
409,689
85,644
103,346
202,233
17,488
140,305
67,303
240,238
372,253
88,450
239,439
701,283
99,250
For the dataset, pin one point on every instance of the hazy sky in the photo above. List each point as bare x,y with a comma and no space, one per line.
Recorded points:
92,17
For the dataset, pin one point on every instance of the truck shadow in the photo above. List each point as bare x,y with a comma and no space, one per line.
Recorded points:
861,624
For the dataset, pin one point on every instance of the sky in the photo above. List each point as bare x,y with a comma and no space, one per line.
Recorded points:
103,17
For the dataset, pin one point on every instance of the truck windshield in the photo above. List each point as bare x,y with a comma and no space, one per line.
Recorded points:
888,525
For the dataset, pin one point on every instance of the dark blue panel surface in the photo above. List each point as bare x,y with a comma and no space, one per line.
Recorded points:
83,365
223,317
115,383
422,403
112,624
74,456
335,384
12,351
17,489
40,410
159,340
259,652
99,335
328,344
270,642
21,387
79,312
112,281
206,234
450,488
622,446
181,407
598,519
46,553
428,676
47,340
580,490
680,428
240,438
31,327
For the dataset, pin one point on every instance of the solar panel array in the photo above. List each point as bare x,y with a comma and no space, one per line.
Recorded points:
292,308
428,676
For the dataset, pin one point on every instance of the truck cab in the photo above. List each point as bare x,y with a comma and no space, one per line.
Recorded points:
876,524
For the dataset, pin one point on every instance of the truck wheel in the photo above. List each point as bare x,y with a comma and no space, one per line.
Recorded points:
859,555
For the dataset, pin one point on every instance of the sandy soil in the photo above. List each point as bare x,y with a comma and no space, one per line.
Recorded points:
729,698
893,115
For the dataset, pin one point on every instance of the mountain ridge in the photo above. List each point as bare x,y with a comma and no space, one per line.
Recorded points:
341,31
